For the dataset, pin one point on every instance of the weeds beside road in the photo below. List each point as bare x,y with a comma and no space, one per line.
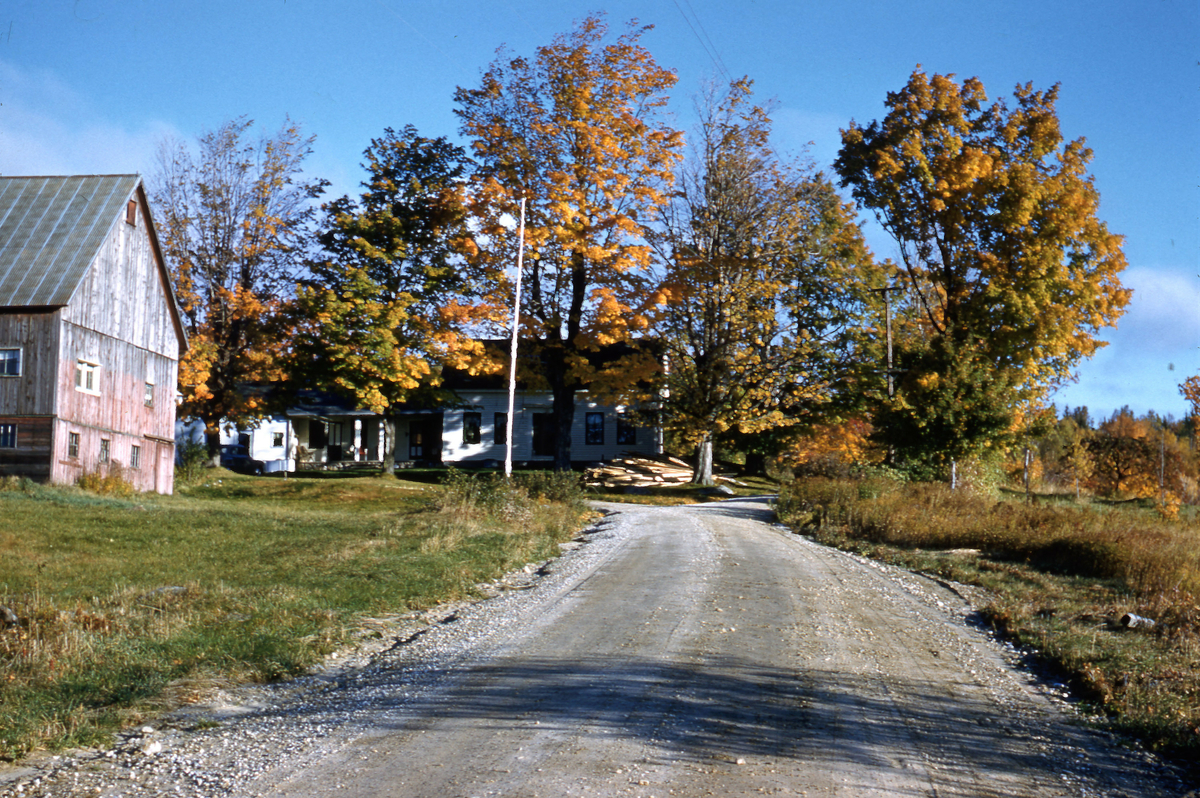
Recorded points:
1061,578
128,605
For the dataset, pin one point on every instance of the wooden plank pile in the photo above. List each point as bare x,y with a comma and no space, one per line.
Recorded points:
643,472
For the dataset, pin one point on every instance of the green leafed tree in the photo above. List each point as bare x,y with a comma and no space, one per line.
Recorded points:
578,132
374,319
765,278
1010,270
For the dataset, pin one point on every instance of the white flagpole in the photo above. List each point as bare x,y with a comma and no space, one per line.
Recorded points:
512,368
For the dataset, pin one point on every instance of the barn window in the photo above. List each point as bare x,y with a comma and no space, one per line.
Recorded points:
277,440
135,456
10,362
471,424
130,212
626,431
87,377
105,447
73,444
593,429
149,398
501,428
8,436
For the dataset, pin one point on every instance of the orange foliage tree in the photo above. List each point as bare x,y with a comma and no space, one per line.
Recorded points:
232,223
578,132
1136,457
830,449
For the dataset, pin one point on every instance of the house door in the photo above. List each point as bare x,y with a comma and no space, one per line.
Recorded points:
425,438
335,446
544,435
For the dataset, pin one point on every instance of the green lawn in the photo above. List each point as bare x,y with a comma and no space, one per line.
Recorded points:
123,601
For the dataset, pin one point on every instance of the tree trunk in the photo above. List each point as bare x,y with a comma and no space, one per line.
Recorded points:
212,440
703,474
389,444
564,419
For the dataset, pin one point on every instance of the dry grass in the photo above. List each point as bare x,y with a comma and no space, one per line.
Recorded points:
1061,577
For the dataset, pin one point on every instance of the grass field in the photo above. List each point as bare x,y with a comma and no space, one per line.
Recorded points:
1061,577
130,605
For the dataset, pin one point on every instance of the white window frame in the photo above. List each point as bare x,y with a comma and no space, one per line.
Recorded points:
135,456
87,371
20,360
148,398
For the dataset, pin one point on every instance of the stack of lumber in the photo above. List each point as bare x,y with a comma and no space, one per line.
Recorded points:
642,472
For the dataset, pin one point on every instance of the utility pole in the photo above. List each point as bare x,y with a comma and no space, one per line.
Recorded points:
887,315
890,372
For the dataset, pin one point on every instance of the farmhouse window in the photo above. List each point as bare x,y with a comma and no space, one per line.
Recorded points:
471,424
593,429
10,362
8,436
87,377
135,456
105,446
73,444
277,440
149,398
626,431
501,428
545,435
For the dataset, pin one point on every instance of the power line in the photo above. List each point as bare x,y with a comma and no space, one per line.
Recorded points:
705,42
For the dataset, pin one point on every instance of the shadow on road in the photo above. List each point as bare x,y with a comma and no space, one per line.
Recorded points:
718,711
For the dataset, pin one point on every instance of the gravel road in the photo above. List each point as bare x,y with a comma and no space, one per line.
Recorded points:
689,651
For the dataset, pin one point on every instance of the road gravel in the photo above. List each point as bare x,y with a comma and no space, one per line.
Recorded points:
685,651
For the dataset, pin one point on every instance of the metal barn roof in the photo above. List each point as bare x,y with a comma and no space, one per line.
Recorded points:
50,231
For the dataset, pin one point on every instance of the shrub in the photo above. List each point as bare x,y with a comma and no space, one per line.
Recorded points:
191,464
565,487
108,479
483,494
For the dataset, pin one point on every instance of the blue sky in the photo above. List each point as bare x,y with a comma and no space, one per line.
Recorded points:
91,86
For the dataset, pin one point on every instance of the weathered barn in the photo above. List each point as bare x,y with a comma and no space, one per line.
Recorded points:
90,333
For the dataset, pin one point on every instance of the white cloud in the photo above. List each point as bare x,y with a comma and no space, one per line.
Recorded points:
46,128
1164,315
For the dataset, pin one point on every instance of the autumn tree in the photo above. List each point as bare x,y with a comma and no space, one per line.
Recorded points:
371,320
762,259
232,222
995,217
578,132
1140,457
1063,450
1190,389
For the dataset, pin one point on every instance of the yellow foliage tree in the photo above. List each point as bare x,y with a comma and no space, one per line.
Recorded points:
578,132
996,220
